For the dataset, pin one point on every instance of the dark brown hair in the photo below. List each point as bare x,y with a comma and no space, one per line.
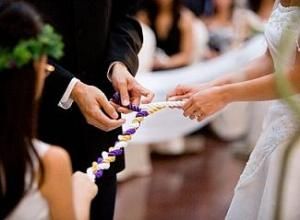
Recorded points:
152,9
17,107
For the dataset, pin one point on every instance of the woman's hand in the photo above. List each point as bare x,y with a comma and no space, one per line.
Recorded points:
84,190
205,103
182,92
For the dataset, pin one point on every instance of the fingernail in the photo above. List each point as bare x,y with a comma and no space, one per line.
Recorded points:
125,102
115,115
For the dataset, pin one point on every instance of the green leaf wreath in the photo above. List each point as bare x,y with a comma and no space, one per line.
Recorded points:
48,42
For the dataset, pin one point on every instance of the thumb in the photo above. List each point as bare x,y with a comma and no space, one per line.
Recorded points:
124,94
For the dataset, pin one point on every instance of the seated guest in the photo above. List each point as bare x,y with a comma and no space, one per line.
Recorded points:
220,26
200,8
35,178
262,8
251,20
172,25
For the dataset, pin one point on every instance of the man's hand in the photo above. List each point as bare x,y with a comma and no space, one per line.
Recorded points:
95,107
130,90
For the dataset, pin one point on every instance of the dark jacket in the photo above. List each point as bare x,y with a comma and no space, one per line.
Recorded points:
95,33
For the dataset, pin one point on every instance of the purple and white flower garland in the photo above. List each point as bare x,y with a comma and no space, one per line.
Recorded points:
103,162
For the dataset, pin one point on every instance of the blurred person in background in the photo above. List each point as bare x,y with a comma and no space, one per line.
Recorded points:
201,8
173,28
220,26
35,178
250,20
262,8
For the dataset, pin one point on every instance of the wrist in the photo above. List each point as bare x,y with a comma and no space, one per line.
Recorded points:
227,93
78,90
220,82
117,68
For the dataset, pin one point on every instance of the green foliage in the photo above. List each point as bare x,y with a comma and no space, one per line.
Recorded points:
47,43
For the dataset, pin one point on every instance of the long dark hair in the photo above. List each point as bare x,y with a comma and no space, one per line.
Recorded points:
17,108
152,9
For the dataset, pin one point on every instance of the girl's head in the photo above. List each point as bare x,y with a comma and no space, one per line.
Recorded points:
23,58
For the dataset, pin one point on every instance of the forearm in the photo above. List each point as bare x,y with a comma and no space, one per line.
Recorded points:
178,60
82,210
257,68
263,88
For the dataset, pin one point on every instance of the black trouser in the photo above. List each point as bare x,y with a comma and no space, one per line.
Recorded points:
103,205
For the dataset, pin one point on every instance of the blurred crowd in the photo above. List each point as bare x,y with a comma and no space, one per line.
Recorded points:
179,34
175,25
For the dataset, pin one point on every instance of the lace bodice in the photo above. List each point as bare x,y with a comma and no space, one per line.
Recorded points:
283,19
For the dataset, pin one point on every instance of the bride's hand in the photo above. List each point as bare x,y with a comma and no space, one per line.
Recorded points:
182,92
205,103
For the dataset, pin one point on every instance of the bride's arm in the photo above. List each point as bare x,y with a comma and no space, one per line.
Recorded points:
209,101
259,67
263,88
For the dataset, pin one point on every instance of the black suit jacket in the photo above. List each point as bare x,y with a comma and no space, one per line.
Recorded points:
95,33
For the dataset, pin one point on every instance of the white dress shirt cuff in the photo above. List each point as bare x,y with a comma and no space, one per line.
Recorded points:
66,100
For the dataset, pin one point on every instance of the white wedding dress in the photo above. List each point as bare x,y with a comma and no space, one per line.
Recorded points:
34,205
255,193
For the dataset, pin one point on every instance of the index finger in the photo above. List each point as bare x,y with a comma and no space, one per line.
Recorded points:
109,124
124,94
120,108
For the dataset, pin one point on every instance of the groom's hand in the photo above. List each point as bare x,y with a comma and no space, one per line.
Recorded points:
95,107
130,90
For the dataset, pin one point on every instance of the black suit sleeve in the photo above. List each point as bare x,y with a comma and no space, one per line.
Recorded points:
56,84
126,36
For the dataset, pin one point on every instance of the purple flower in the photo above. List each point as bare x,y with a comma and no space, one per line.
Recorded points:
117,152
134,108
130,131
99,173
116,98
142,114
